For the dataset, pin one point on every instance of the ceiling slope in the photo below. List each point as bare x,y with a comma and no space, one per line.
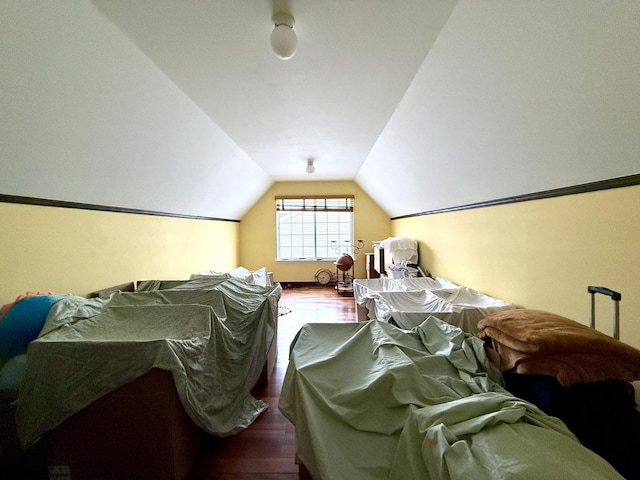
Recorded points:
330,102
181,107
514,98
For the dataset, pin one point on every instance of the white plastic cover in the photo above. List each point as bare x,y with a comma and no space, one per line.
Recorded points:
400,250
408,301
253,277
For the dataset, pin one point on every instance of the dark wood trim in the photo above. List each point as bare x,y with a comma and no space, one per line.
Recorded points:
619,182
306,197
289,285
45,202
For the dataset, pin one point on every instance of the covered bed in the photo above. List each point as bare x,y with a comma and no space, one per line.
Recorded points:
212,336
408,301
370,400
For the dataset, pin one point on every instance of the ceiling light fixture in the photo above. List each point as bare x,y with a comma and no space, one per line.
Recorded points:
283,39
310,167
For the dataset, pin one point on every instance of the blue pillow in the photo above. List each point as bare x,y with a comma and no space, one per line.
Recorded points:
23,323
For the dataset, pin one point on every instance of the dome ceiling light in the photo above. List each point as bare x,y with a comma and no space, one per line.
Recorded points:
310,167
283,39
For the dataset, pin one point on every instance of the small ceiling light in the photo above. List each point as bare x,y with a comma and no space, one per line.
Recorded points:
310,167
283,39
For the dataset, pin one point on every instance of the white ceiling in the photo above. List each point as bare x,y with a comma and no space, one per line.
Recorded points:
179,106
330,102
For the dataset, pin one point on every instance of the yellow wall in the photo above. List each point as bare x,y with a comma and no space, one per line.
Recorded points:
542,254
258,230
538,254
78,251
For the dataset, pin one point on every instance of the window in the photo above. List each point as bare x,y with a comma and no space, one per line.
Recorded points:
313,228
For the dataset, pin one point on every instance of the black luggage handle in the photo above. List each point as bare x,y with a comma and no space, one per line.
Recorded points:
605,291
616,297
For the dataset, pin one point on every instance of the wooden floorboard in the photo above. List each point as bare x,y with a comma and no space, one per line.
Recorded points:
266,450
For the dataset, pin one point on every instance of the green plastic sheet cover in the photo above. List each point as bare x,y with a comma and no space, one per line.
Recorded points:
369,400
214,338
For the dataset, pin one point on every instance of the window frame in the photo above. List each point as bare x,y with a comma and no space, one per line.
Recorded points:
310,209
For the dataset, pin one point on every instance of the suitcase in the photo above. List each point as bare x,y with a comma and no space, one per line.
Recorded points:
616,297
602,415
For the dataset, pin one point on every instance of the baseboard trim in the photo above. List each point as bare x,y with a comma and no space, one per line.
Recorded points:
302,285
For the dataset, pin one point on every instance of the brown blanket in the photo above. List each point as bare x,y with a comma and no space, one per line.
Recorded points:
543,343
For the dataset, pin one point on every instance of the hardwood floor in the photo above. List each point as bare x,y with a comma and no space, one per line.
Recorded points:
266,450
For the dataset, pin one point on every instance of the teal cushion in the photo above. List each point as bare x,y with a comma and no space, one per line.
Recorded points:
23,323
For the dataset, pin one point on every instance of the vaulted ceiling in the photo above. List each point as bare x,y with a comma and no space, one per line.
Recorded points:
330,102
181,106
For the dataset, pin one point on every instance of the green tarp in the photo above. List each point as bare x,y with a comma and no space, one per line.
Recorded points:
371,401
212,334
